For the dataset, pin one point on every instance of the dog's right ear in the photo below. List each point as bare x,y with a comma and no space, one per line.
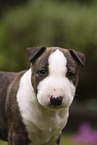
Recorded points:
34,52
79,57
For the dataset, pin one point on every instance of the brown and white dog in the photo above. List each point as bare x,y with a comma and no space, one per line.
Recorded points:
34,104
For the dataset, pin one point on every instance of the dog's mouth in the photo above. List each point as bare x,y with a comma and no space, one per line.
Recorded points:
50,106
53,107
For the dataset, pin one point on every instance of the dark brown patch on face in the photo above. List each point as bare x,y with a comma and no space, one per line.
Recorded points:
72,67
72,71
40,68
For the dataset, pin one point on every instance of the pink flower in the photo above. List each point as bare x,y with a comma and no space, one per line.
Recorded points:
85,135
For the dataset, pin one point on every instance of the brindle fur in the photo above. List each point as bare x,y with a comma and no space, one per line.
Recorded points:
12,128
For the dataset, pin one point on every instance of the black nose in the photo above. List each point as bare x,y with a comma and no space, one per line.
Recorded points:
56,101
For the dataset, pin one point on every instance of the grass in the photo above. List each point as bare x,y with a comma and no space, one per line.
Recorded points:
65,140
3,143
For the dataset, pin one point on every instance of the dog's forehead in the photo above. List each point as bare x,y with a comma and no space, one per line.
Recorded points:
70,61
50,50
43,59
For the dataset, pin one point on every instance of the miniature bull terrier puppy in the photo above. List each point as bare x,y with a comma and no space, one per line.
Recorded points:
34,104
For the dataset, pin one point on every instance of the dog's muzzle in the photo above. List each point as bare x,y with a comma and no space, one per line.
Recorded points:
56,101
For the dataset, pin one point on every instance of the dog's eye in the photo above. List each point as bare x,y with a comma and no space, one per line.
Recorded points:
70,74
42,72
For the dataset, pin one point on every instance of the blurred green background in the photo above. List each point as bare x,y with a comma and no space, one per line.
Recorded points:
64,23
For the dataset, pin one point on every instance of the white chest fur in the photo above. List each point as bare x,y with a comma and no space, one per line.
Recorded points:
42,124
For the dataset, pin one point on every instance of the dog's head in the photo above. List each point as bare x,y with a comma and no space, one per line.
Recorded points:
54,74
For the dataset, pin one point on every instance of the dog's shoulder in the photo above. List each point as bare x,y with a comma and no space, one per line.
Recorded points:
7,79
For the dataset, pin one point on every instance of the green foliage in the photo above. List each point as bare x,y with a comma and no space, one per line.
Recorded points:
68,25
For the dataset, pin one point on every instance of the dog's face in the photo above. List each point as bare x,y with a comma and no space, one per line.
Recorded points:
54,75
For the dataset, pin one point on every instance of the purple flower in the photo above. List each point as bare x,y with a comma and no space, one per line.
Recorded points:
85,135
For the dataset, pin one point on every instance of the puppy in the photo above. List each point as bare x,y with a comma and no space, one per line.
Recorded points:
34,104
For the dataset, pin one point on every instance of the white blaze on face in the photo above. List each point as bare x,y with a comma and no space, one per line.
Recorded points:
56,83
57,64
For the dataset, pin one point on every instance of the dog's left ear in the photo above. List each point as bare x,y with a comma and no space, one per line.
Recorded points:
34,52
79,57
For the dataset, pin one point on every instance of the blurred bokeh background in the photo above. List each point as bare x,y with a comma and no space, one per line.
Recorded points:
64,23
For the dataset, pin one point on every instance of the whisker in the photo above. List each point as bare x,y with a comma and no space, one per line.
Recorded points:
76,95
